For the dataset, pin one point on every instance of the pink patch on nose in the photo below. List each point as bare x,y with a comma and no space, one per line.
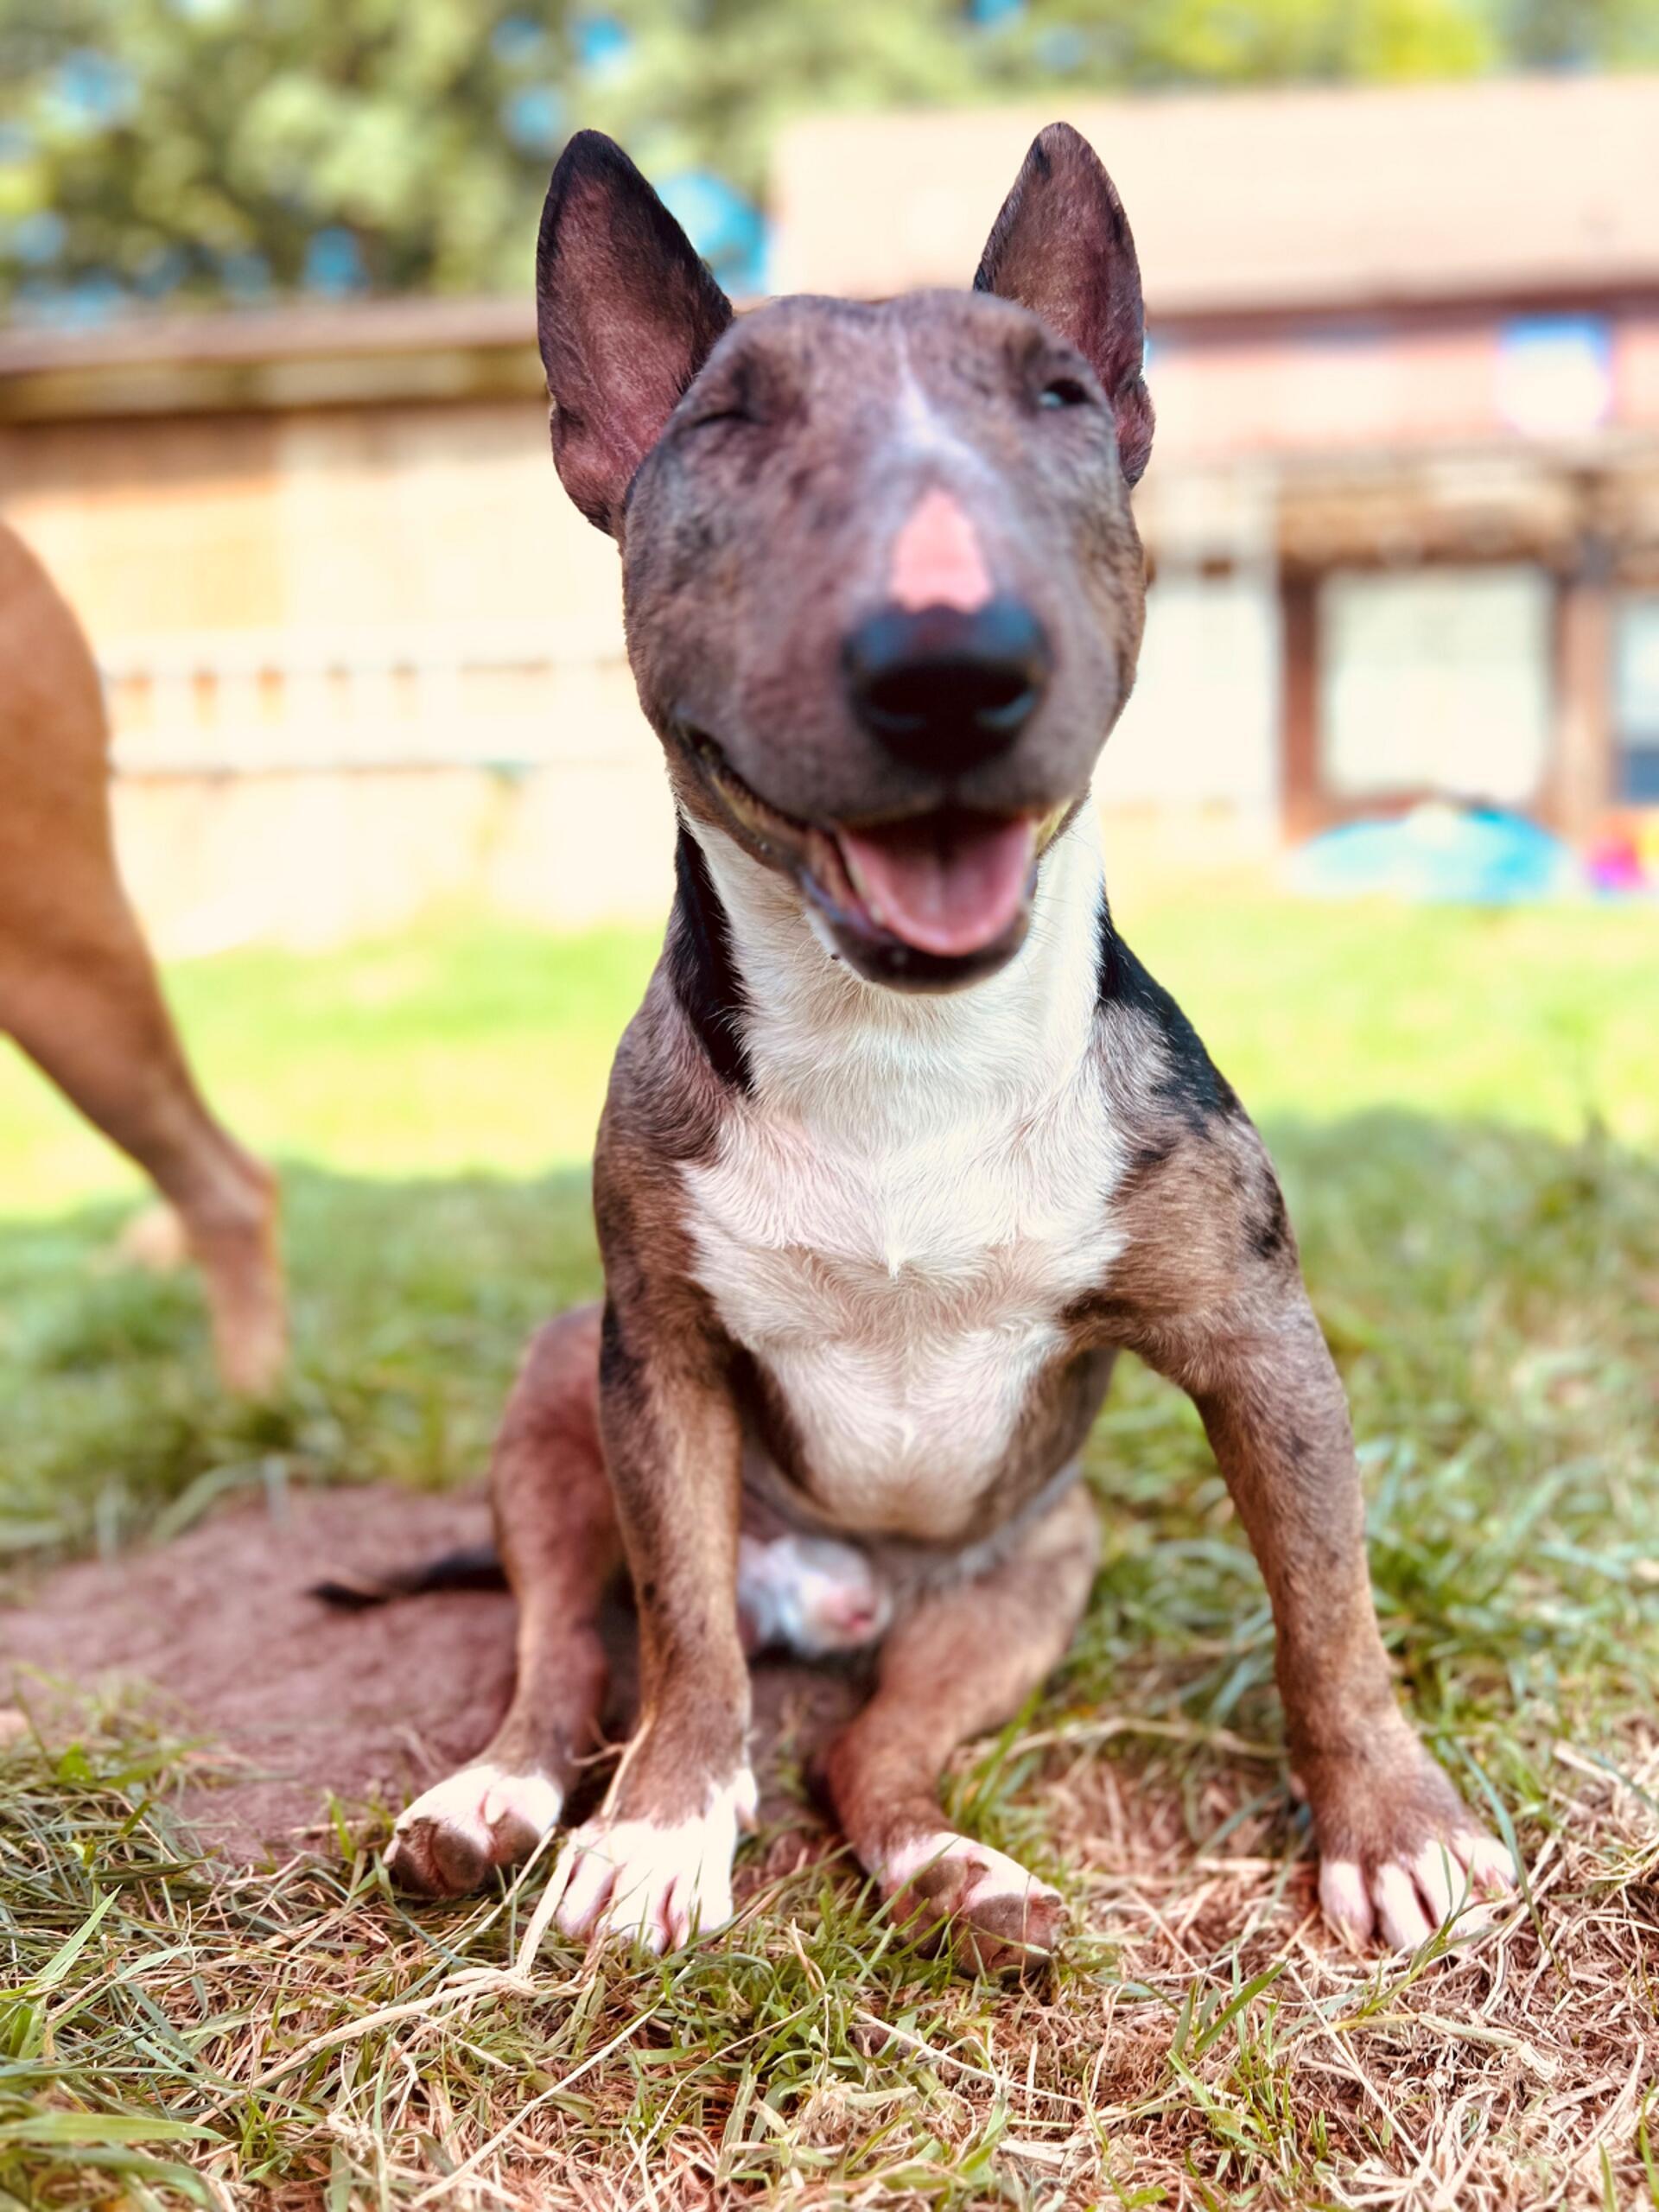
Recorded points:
936,560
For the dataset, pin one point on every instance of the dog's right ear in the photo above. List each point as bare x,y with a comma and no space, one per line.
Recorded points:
627,315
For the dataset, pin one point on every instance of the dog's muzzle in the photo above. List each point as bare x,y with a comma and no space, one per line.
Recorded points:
944,689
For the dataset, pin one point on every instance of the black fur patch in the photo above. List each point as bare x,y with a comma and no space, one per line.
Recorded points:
618,1370
1270,1229
707,986
1193,1084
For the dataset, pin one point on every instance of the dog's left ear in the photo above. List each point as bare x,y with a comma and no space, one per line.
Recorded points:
627,315
1061,247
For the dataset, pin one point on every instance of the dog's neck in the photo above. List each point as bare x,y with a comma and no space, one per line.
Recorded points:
825,1045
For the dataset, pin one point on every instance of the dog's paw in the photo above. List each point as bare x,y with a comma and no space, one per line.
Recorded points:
1401,1853
993,1916
454,1834
655,1883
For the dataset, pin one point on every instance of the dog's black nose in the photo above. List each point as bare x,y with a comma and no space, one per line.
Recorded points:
944,688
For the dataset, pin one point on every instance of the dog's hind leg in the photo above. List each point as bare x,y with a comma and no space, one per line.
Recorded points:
555,1527
962,1661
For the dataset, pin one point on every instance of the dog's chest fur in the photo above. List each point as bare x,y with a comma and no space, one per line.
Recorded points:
912,1194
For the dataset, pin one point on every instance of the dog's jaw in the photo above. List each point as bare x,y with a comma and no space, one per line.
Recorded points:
834,872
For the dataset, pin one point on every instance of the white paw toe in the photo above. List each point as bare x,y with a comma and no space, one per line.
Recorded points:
1400,1911
650,1882
1448,1882
1346,1901
1002,1917
453,1833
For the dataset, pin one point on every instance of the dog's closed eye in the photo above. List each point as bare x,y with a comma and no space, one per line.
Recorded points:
1065,391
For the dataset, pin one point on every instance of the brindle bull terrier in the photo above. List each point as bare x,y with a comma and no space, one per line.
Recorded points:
78,989
904,1145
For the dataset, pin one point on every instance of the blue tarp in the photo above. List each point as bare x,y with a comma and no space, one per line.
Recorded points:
1464,855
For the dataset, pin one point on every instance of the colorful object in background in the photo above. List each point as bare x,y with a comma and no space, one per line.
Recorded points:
1464,855
1555,374
1624,861
727,229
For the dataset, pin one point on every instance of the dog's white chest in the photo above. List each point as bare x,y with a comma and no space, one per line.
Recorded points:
898,1217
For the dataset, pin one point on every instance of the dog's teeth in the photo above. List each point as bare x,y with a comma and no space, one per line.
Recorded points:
861,889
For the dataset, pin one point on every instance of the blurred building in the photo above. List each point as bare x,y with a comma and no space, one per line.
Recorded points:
1404,502
1403,510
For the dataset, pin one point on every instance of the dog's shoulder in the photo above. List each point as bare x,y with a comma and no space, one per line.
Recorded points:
1198,1208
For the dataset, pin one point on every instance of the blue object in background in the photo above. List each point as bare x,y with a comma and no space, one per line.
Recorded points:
38,238
517,41
533,118
604,46
245,274
1555,373
728,231
334,263
1472,856
90,91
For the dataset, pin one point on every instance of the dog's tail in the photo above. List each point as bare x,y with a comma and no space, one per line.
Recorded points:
474,1566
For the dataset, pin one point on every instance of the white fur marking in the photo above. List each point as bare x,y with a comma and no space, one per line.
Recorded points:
1001,1875
993,1876
1345,1900
920,432
651,1882
918,1188
484,1802
1451,1878
1399,1909
809,1595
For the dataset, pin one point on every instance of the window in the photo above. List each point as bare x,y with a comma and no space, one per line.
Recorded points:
1437,680
1636,699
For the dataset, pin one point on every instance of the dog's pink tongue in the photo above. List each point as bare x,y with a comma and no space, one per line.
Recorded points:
946,883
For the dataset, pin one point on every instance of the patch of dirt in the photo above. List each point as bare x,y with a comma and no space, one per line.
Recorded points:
294,1700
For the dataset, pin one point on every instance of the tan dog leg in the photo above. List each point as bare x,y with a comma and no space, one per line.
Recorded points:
90,1013
963,1662
555,1526
78,989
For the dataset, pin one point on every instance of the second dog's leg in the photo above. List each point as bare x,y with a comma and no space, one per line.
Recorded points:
557,1529
86,1005
962,1662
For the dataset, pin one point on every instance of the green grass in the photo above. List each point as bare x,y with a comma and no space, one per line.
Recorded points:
472,1046
1466,1111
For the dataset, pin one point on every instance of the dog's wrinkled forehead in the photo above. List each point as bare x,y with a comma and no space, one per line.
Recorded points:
943,343
825,433
942,371
831,380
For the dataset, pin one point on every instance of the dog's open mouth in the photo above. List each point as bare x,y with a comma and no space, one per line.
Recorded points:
952,885
949,883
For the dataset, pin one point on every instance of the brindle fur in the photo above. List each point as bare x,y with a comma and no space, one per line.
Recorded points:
741,467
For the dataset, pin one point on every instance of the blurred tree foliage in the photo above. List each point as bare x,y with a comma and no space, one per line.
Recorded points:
154,147
248,145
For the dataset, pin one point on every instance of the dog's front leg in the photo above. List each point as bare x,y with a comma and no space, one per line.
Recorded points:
1399,1851
656,1863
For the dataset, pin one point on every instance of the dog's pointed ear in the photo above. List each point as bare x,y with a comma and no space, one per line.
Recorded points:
1061,247
627,315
